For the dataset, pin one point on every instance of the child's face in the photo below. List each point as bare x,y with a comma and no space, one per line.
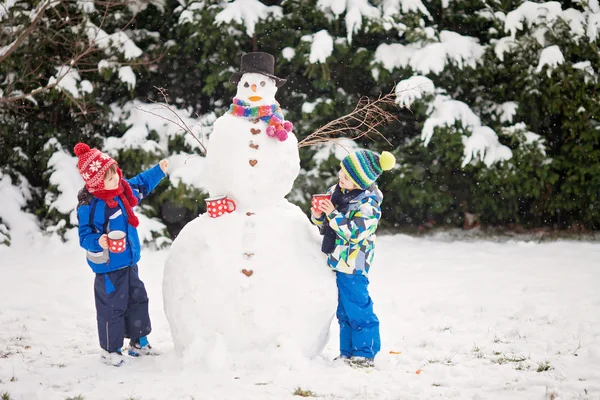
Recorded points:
345,182
111,180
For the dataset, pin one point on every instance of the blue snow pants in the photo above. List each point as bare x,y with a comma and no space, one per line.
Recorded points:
359,326
121,307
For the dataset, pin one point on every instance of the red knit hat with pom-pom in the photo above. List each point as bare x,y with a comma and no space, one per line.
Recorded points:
92,166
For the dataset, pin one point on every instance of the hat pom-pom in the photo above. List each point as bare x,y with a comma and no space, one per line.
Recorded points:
282,135
271,131
387,161
80,149
288,126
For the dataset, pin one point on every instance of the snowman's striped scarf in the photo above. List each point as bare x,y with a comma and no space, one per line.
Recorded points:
271,114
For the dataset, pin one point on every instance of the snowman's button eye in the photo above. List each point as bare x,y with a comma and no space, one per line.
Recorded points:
262,83
246,84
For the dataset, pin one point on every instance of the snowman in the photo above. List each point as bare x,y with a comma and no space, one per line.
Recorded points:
245,284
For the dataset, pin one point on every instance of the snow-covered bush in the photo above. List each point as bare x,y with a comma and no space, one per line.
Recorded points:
481,79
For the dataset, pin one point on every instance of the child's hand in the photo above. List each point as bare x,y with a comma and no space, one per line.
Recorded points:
316,213
326,206
164,165
103,242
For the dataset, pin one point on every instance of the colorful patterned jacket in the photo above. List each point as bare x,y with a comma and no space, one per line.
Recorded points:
355,242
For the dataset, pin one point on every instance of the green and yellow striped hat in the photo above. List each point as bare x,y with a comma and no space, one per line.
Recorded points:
363,167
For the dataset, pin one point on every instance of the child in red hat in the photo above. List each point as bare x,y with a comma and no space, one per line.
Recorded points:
106,205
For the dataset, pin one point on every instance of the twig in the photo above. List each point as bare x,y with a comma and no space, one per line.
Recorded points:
177,121
363,121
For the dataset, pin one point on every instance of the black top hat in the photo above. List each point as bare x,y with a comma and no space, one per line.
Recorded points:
258,63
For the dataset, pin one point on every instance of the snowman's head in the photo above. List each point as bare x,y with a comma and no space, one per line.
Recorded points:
256,89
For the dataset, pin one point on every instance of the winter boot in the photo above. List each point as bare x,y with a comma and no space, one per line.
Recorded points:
341,358
114,359
361,362
140,347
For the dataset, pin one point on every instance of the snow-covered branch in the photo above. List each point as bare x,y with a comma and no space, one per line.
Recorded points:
63,27
6,51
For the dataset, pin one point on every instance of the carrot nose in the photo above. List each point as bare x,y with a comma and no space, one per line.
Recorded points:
254,88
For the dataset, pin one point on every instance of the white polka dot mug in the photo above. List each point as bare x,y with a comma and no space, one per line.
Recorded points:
116,241
318,198
219,205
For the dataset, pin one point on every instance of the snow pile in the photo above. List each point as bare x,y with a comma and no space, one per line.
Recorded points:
542,16
222,318
188,15
118,41
507,111
288,53
356,11
23,226
68,79
550,57
5,7
309,107
446,112
65,176
321,46
247,13
483,144
412,89
394,7
462,51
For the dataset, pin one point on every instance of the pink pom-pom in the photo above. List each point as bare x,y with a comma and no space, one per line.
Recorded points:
80,149
282,135
288,126
271,131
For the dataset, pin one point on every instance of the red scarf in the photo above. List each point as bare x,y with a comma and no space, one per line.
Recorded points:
125,194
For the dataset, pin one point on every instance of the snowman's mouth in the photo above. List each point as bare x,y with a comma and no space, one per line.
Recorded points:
254,98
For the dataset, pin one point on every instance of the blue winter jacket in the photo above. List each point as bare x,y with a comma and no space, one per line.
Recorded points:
96,219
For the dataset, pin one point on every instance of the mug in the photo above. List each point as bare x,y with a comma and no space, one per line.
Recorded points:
116,241
318,198
219,205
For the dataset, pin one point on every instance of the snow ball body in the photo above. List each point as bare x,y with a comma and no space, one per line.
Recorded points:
252,286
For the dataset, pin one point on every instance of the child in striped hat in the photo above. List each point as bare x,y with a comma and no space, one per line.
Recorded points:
348,222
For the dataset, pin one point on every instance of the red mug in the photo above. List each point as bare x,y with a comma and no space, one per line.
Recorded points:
318,198
219,205
116,241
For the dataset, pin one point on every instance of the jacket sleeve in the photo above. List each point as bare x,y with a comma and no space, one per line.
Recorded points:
145,182
88,238
362,224
317,221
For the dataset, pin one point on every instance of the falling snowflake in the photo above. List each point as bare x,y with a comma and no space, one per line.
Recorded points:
95,166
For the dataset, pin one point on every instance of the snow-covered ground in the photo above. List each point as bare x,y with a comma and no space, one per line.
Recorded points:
479,319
